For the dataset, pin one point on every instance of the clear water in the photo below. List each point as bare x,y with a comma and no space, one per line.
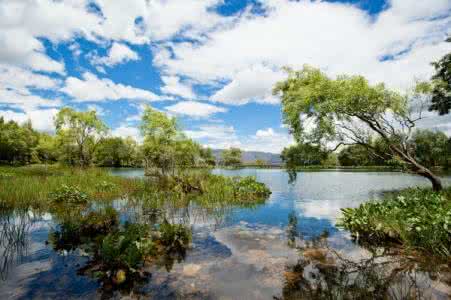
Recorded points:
240,253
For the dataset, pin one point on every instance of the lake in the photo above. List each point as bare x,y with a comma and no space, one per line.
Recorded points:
287,248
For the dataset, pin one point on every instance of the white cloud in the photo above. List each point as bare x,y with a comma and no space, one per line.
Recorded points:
91,88
216,136
268,140
118,54
127,131
220,136
41,120
195,109
252,84
339,38
173,86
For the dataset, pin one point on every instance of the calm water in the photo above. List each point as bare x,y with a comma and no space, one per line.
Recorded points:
287,248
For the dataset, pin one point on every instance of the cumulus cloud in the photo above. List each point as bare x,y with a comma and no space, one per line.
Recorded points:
393,47
173,86
217,136
195,109
221,136
118,54
253,84
41,119
91,88
269,140
127,131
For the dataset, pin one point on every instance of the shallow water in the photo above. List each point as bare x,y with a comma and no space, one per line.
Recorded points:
283,249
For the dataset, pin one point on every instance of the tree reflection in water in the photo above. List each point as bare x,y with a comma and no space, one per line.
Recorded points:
324,273
15,226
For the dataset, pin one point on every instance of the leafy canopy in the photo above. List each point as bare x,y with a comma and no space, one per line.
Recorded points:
309,95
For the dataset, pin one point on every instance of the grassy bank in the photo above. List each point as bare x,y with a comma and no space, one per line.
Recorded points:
419,219
34,185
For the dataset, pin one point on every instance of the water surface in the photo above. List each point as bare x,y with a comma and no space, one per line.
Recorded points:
283,249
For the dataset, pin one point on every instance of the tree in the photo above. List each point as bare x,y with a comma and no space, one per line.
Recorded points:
354,155
303,155
207,157
78,134
47,148
441,85
17,142
165,148
231,157
111,152
430,147
348,110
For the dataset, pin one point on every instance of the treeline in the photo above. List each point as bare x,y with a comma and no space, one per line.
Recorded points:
431,148
83,139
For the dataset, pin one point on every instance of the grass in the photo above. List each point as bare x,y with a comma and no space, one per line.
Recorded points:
418,219
36,185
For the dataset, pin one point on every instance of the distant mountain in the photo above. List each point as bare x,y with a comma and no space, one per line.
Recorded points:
251,156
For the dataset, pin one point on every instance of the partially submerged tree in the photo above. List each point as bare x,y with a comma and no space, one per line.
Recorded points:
78,133
165,148
348,110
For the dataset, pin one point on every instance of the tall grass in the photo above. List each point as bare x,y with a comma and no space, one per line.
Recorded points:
33,185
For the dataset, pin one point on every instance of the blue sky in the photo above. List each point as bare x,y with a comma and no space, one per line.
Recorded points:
211,63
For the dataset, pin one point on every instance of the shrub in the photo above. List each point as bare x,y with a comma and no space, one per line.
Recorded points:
68,194
417,218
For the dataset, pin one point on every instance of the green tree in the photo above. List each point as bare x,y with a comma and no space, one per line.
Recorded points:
165,148
78,134
348,110
46,149
231,157
17,142
207,157
354,155
112,152
441,85
303,155
431,148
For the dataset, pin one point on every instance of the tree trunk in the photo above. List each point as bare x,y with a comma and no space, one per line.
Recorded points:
419,169
435,180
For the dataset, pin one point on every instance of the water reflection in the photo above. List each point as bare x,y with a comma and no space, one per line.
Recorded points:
323,272
284,248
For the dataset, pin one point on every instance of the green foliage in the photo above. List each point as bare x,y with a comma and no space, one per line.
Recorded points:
441,85
17,142
248,187
303,155
165,148
420,219
78,134
30,185
231,157
117,152
68,194
207,157
349,110
431,147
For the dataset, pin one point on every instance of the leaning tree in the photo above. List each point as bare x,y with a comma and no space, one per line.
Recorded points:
347,110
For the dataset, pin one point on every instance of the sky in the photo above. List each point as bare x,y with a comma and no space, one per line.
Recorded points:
210,63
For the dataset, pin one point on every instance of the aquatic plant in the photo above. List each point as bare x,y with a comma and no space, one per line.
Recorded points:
68,194
32,185
417,218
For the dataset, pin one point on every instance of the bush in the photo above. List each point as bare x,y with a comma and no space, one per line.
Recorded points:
249,186
416,218
69,194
